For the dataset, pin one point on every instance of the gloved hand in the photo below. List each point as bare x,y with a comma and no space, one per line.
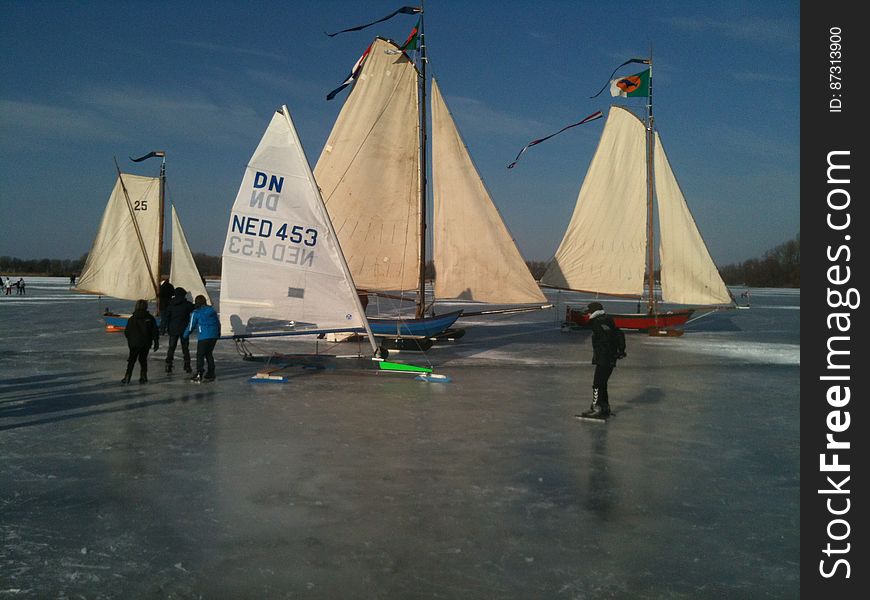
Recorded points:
620,355
155,346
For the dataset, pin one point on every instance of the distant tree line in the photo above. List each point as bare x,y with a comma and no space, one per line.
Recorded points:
779,267
41,266
209,266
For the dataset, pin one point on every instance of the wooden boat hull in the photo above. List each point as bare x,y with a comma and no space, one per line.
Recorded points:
634,322
425,327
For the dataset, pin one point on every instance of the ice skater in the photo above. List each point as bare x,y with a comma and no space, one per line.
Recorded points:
608,346
141,332
21,287
174,321
205,321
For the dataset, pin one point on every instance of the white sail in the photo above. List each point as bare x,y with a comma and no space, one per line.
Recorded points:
184,272
604,247
369,173
119,264
475,255
283,270
688,274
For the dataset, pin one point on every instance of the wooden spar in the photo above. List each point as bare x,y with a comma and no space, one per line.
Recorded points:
650,146
420,307
161,212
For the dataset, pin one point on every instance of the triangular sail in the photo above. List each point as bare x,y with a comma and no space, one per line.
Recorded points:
184,272
475,256
603,249
116,265
369,173
283,270
688,274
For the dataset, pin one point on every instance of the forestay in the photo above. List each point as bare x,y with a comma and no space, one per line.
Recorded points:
475,255
369,173
283,271
118,264
688,274
184,272
603,248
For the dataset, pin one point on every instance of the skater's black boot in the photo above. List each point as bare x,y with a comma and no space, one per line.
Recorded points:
169,367
600,408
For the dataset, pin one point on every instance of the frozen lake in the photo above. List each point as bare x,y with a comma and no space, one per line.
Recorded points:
344,484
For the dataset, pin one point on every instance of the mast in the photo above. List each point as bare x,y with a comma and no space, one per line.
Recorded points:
650,144
161,212
420,305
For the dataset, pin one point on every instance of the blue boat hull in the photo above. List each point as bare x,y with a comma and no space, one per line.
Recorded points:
119,322
425,327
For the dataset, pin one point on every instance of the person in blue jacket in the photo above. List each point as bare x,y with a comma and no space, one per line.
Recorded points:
204,321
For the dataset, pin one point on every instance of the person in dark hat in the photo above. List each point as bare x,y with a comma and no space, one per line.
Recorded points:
608,346
173,321
164,296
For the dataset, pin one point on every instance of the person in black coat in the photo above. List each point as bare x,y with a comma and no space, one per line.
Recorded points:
608,346
141,332
164,296
173,321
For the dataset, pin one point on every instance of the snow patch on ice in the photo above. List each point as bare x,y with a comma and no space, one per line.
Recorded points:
756,352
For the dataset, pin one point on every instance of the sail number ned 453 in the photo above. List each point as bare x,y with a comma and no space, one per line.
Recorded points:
299,250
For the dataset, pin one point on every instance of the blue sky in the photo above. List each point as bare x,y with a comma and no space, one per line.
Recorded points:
83,82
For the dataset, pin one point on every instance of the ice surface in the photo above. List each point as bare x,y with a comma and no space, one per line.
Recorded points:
347,484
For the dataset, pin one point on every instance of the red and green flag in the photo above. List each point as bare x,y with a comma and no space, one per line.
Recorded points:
413,41
631,86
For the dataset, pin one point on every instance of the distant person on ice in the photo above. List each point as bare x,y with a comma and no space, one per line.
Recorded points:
141,332
21,286
205,321
8,286
608,345
174,320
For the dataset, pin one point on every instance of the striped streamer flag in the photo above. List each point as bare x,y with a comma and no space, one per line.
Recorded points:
405,10
156,153
594,116
352,77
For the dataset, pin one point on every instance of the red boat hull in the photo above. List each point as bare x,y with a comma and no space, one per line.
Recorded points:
636,322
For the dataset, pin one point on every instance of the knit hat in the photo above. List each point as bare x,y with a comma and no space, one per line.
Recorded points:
180,291
594,306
